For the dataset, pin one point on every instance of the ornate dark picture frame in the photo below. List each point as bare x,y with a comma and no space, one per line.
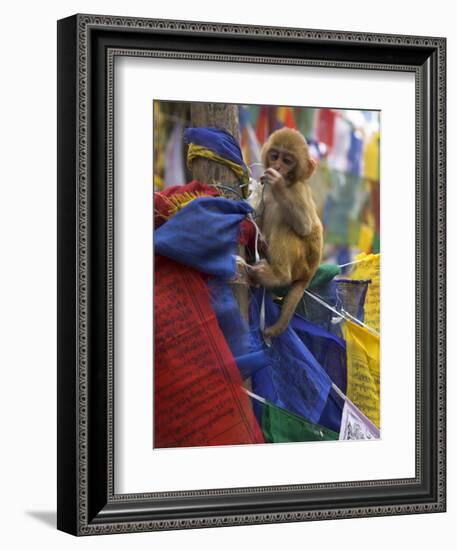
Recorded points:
87,47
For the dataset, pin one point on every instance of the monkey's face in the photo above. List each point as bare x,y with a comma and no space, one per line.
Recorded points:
282,161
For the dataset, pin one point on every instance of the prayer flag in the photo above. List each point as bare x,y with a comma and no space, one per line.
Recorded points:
204,235
159,146
376,247
339,294
375,203
313,311
217,140
251,151
293,379
367,267
329,350
198,398
262,126
355,154
343,204
172,199
366,237
363,374
324,274
371,158
218,145
355,425
326,126
249,356
286,117
282,426
175,173
338,156
306,118
350,297
332,412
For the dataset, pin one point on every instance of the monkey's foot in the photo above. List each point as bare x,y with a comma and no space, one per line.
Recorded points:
273,331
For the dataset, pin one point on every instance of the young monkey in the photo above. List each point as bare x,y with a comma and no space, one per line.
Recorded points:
288,220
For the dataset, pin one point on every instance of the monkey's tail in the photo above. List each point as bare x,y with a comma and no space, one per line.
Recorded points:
288,309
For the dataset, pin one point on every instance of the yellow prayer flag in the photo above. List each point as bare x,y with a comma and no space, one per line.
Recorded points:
368,268
195,151
158,183
365,238
159,146
363,369
371,158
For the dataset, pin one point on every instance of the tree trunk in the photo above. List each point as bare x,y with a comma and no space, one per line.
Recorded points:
224,117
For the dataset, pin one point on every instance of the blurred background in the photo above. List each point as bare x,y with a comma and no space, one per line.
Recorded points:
344,142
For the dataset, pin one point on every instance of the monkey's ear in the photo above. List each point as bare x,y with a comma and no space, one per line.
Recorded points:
311,168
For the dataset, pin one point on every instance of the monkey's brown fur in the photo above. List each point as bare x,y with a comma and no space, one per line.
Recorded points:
289,222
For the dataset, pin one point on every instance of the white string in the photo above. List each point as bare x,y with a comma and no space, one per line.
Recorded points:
258,235
266,339
358,322
256,251
254,395
340,393
355,262
343,313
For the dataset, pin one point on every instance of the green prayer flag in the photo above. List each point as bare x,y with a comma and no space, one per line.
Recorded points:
324,274
306,118
376,244
282,426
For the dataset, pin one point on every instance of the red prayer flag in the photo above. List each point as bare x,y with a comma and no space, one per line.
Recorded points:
198,395
326,126
168,201
289,119
262,128
375,204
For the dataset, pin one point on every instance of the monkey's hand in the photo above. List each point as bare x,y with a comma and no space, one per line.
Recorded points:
274,179
256,272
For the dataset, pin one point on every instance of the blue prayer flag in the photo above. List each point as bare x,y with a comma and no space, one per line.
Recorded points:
248,354
332,412
293,380
204,235
217,140
328,349
355,154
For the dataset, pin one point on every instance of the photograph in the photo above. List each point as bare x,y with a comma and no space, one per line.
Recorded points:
267,260
251,274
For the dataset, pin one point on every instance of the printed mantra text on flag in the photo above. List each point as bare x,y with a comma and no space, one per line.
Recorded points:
198,399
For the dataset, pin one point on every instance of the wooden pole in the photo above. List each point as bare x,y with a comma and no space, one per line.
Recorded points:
224,117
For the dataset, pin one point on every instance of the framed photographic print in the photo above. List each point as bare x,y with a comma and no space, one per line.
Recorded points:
251,274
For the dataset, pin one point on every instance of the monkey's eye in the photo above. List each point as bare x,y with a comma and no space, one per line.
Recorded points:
288,161
273,155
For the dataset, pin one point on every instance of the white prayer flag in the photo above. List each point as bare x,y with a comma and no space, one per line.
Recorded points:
355,425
